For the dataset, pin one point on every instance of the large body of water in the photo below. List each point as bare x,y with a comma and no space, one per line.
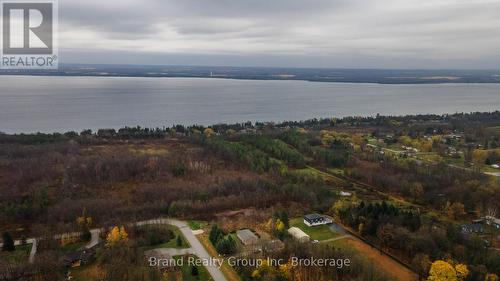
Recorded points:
59,104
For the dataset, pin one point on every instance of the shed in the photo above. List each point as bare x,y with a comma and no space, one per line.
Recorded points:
298,234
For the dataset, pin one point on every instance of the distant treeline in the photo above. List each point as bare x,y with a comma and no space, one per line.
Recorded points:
454,121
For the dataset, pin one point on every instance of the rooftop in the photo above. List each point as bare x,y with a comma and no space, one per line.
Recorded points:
246,236
297,232
313,217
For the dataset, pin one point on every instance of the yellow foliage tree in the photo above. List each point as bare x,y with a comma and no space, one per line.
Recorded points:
123,233
208,132
445,271
115,235
442,271
462,271
84,222
269,225
491,277
280,226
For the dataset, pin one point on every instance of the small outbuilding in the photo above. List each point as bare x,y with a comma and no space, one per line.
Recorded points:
345,194
298,234
247,237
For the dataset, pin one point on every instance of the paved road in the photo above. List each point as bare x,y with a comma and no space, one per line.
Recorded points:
94,240
196,246
31,258
33,243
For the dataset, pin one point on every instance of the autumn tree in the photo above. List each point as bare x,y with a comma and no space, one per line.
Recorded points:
491,277
447,271
116,235
208,132
416,190
454,210
84,223
442,271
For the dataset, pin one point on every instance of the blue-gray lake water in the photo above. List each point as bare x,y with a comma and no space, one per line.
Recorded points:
59,104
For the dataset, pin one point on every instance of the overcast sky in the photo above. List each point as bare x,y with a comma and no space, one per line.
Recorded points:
312,33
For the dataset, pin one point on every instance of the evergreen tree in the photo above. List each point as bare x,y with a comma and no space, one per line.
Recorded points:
8,242
194,271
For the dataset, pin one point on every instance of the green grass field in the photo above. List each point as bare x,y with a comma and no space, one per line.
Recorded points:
195,225
73,247
319,233
19,256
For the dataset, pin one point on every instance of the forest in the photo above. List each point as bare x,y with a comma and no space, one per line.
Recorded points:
414,183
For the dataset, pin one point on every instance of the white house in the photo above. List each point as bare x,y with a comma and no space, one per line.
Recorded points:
315,220
345,194
493,221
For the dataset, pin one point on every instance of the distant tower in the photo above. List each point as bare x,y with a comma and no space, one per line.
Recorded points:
211,74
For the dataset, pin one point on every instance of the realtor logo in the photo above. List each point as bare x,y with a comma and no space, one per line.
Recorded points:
28,34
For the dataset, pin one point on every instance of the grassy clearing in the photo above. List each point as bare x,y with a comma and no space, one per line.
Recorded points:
327,176
196,225
19,256
321,232
73,247
393,268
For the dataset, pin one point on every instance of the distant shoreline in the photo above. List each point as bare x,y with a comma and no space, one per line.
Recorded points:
252,79
373,76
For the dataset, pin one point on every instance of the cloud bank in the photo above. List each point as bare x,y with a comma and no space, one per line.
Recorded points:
313,33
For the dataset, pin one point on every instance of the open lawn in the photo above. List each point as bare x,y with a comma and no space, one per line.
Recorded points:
398,271
72,247
196,225
321,232
19,256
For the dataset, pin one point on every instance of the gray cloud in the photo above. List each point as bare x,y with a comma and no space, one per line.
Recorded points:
340,33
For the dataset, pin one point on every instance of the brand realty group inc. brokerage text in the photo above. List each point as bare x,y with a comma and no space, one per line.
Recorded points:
252,262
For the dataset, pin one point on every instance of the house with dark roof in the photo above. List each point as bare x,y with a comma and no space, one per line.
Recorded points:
476,228
316,219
